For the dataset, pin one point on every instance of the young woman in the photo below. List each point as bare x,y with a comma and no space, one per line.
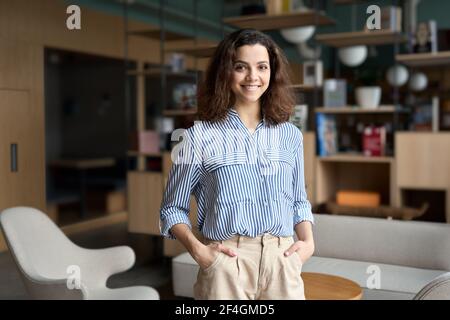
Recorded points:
244,164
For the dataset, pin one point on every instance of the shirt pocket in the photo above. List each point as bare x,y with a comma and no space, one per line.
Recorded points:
215,162
281,157
281,173
227,177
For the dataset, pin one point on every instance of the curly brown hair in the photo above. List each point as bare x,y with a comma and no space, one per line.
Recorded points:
215,96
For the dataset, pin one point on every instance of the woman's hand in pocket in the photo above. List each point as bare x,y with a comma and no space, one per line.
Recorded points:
304,249
207,254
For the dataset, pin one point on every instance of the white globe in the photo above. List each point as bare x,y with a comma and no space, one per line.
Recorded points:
352,56
298,34
397,75
418,81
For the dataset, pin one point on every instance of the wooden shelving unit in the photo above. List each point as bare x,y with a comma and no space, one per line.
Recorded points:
156,35
280,21
305,87
425,59
179,113
356,109
351,157
158,72
347,39
133,153
200,51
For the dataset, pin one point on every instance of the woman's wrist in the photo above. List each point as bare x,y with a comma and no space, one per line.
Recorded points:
197,249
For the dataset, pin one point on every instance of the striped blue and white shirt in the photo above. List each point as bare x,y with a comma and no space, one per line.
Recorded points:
244,183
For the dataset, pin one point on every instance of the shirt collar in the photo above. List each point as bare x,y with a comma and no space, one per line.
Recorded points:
235,115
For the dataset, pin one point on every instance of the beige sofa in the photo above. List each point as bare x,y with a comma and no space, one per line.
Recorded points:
406,255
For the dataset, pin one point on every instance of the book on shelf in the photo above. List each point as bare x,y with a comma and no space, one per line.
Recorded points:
335,93
435,114
391,18
326,135
445,122
300,117
426,115
424,39
444,39
374,141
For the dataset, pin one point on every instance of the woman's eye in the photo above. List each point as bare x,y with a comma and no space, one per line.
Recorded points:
239,67
263,67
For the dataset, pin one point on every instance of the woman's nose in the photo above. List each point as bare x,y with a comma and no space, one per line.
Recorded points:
252,75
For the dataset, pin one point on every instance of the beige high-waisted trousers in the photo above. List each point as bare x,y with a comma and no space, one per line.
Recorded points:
260,271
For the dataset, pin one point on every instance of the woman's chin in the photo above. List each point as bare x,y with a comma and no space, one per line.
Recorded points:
251,98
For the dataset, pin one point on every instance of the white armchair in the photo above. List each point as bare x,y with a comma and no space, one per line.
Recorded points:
53,267
437,289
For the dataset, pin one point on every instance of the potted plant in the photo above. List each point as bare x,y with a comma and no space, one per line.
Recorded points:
367,92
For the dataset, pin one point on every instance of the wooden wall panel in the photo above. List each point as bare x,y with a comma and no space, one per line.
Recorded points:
144,201
22,122
423,160
309,154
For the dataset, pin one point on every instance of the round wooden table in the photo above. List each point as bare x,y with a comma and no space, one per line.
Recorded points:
320,286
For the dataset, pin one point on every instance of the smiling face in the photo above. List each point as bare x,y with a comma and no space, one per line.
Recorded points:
251,74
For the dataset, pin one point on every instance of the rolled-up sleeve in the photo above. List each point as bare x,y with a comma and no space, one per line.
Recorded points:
302,207
182,180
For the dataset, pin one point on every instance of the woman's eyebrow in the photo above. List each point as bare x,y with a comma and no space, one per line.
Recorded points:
259,62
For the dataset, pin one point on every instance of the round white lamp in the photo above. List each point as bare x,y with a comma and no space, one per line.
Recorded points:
397,75
352,56
418,81
298,34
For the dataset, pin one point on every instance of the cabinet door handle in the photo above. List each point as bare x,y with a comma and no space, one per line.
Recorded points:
14,167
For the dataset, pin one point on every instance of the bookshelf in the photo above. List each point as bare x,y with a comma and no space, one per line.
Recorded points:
305,87
156,35
198,51
356,109
158,73
436,59
179,113
355,157
280,21
347,39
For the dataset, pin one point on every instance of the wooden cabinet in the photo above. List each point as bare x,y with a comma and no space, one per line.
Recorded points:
423,162
21,126
19,152
347,172
22,167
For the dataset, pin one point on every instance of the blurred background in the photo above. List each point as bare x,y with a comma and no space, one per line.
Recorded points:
91,91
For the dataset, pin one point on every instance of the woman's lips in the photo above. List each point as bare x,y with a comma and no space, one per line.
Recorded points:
251,87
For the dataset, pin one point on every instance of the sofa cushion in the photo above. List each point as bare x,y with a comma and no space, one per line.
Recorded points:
393,278
417,244
184,275
369,294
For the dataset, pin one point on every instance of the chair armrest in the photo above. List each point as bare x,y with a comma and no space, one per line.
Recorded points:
116,259
44,288
102,263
